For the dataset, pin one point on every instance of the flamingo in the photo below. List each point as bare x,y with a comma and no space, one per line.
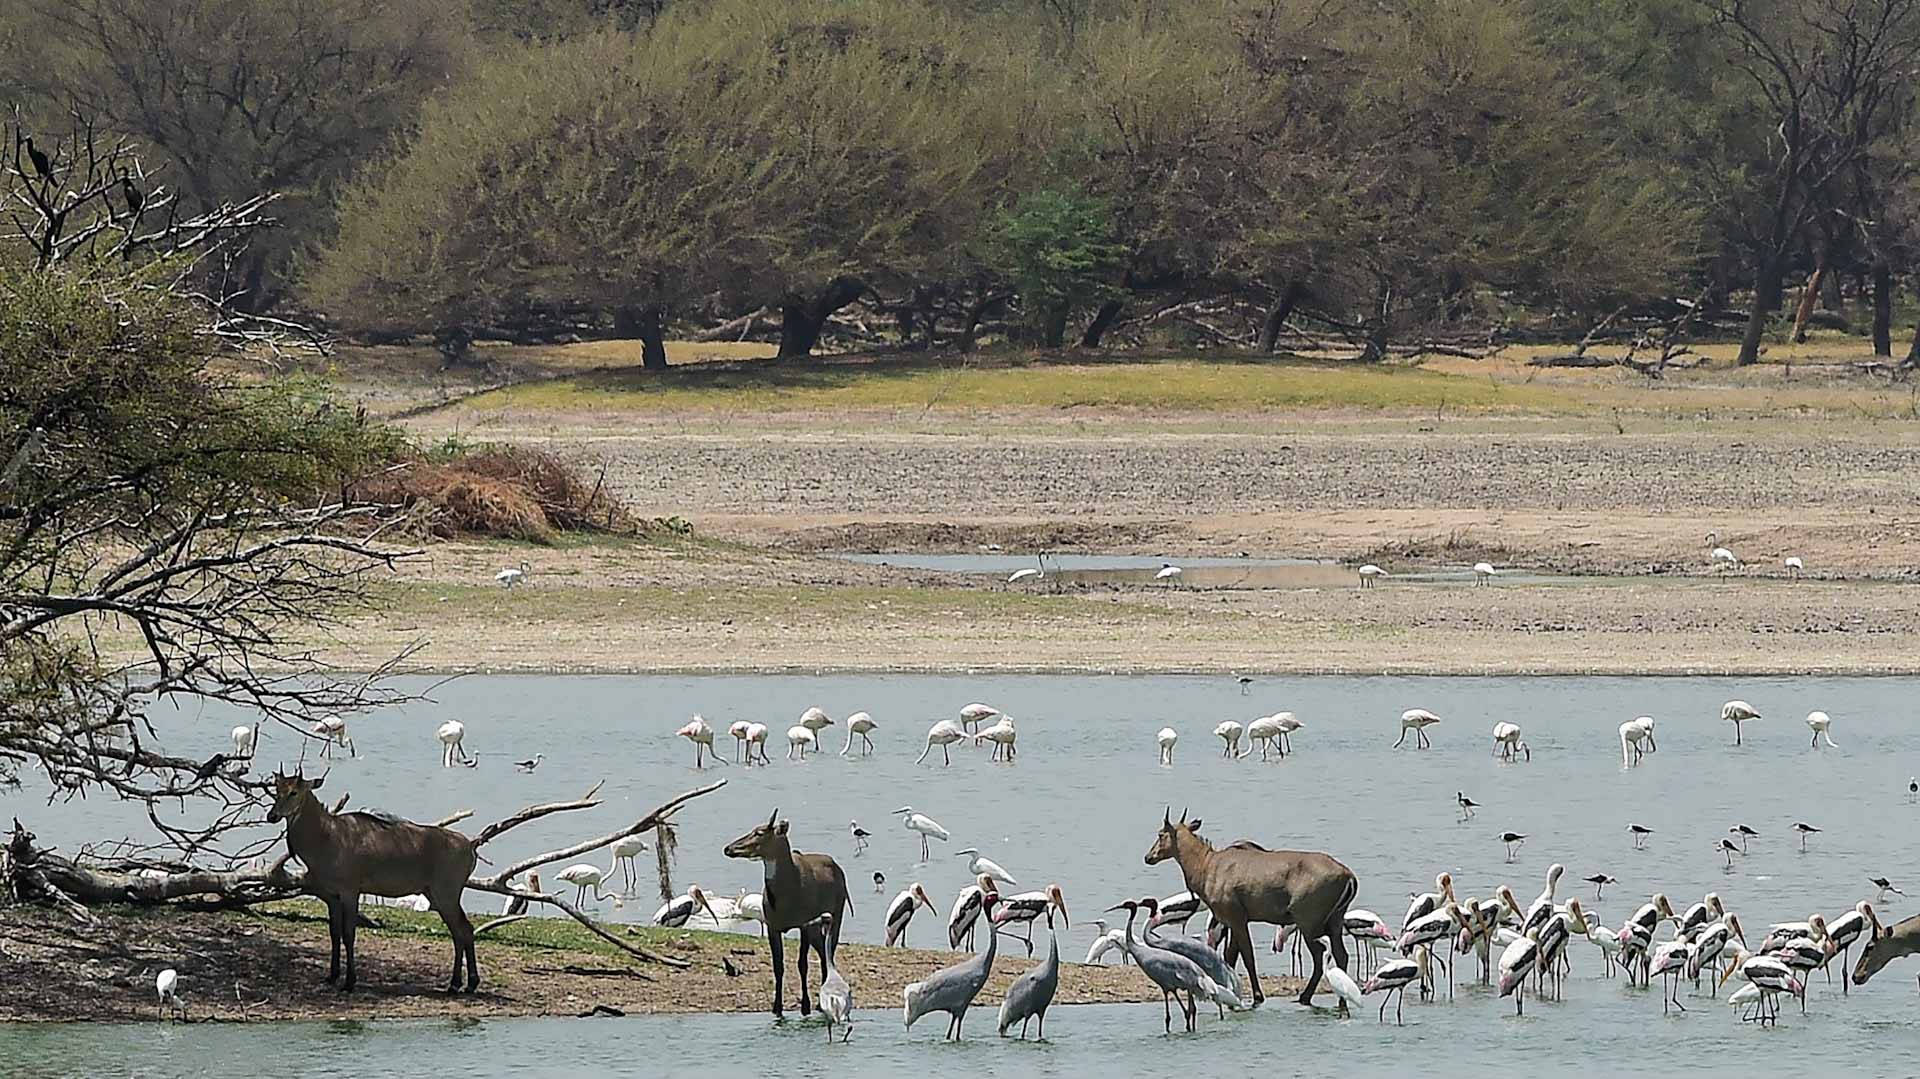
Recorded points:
1267,731
584,875
1820,723
1483,573
1002,735
738,728
942,734
333,731
700,733
1416,720
1794,566
815,720
1167,737
862,724
925,825
1737,713
514,575
1631,734
1370,573
1287,724
800,739
1229,732
980,866
1506,741
975,714
625,850
451,734
757,739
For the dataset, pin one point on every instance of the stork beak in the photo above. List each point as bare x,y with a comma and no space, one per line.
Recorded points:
710,913
1064,920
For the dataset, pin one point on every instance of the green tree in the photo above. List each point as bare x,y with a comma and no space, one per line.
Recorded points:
1057,249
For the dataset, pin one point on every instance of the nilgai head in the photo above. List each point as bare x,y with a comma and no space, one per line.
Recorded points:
1166,844
759,843
1880,949
289,795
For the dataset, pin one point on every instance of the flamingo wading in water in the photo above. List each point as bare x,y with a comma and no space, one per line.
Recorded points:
1416,720
942,734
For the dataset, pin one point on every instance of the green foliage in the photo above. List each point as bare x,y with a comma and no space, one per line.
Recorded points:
1057,249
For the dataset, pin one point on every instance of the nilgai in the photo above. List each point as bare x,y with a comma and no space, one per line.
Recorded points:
799,889
1889,942
1244,883
348,855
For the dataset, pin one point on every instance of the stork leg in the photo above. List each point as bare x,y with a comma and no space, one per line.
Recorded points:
1403,737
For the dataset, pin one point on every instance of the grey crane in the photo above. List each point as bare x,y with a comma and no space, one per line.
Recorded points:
952,989
1171,972
836,996
1032,992
1210,962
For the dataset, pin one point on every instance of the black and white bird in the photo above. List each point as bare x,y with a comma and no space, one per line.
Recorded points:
1885,886
1599,882
1698,916
966,913
900,912
1913,788
1513,840
1744,833
727,965
1245,681
1393,979
1843,931
1025,908
530,763
860,837
1467,806
1640,833
679,910
1175,910
879,882
1805,830
1729,848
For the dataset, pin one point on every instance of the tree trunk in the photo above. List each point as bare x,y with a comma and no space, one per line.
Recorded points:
978,311
1278,314
1913,350
1805,309
802,317
1831,295
1766,300
1882,309
1103,321
648,324
1053,328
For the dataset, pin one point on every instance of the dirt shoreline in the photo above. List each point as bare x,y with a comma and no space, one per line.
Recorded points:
238,967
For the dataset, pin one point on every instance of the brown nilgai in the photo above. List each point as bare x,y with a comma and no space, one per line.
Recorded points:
1248,883
799,889
348,855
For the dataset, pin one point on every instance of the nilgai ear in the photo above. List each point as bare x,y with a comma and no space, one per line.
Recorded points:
317,783
783,827
1194,825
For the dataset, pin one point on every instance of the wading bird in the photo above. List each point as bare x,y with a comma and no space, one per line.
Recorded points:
700,733
836,996
584,875
982,867
860,837
1416,720
879,882
1519,960
975,714
1738,713
1108,940
1026,908
1345,988
800,740
1885,886
167,987
1268,731
625,850
1229,732
1794,566
1506,741
514,575
244,740
900,912
1821,725
925,825
1032,993
1393,979
1721,556
943,734
861,724
1729,848
1003,736
1805,830
530,763
952,989
451,734
738,728
1640,833
1169,573
333,732
815,719
1513,840
1167,738
1599,882
679,910
1632,732
1483,573
757,741
1370,573
1172,973
1743,833
1467,805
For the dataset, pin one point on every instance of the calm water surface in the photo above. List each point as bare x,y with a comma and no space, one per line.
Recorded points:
1080,807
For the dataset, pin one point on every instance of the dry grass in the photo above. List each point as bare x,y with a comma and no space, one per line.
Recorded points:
510,492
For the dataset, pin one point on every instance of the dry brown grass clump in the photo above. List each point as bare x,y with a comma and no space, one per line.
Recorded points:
509,492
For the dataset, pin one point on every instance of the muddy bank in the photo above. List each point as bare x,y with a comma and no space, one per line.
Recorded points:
244,967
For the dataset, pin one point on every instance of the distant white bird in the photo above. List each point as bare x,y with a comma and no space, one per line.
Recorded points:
1737,713
862,724
1169,573
836,996
943,734
530,763
1028,574
926,826
679,910
1229,732
757,741
1344,987
1267,731
700,733
244,740
625,850
1109,940
1820,724
1794,565
1167,738
1721,556
1631,735
1416,720
585,875
815,719
738,728
451,734
981,867
1369,573
517,575
800,740
1506,741
1483,573
975,714
1003,736
333,731
167,987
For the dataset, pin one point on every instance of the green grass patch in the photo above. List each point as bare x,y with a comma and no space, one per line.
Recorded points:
1175,385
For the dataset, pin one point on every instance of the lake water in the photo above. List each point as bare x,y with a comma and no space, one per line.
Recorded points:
1080,807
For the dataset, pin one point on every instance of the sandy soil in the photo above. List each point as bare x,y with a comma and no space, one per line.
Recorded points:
247,967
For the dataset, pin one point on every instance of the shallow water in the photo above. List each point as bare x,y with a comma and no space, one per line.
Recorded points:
1196,572
1078,808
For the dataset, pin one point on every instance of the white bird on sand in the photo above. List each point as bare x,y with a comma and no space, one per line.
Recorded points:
800,739
862,724
815,719
700,733
679,910
1003,736
1167,738
1229,732
244,739
923,824
167,987
515,575
738,728
1820,723
1370,573
333,731
451,734
625,850
900,912
1721,556
982,867
943,734
1483,573
757,741
1109,940
1169,573
1027,574
1794,565
975,714
1736,713
1416,720
585,875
